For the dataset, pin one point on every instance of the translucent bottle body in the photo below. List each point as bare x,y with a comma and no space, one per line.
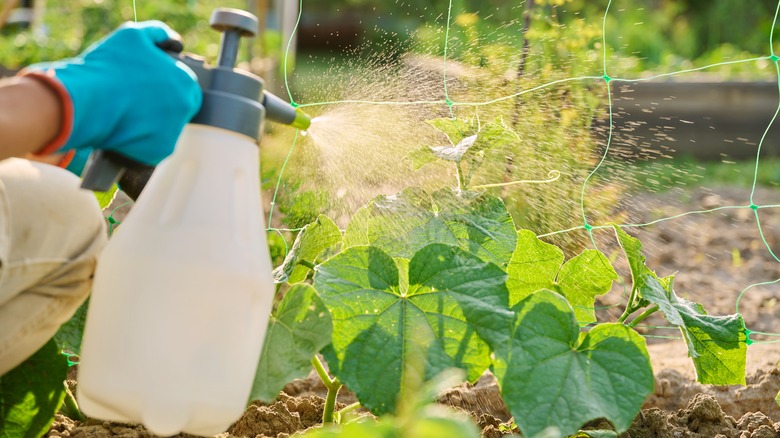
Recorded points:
182,294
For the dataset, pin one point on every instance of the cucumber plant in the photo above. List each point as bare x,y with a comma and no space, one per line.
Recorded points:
421,282
424,282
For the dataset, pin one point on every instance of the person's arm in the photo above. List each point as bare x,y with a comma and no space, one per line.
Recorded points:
30,116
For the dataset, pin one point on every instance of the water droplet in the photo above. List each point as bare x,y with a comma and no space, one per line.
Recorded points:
304,133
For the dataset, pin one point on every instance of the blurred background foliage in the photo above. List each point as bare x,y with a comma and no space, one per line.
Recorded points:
645,34
68,26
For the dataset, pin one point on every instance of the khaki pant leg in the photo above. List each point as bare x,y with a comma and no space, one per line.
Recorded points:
50,235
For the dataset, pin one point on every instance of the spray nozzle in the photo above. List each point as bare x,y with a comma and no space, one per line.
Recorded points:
279,111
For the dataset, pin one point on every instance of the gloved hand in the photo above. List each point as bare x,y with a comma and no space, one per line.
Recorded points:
78,161
123,94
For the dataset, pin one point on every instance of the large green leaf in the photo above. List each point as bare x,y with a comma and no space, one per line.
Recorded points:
313,241
387,337
31,393
402,224
537,265
717,344
70,334
299,329
551,376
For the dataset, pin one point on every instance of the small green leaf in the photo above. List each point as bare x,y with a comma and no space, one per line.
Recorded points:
454,153
717,344
299,329
537,265
421,157
105,198
402,224
313,241
31,393
70,334
455,130
470,138
777,399
493,135
389,337
550,377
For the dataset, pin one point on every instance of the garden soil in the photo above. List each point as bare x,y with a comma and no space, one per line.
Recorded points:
715,255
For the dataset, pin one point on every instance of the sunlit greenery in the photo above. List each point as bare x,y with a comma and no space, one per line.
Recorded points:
643,34
69,26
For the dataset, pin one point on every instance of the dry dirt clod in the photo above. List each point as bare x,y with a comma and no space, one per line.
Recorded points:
704,408
652,423
764,432
751,421
482,397
264,420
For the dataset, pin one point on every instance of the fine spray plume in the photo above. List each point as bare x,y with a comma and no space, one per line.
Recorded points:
183,291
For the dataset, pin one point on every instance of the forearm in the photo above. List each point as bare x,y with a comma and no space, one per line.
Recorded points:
30,116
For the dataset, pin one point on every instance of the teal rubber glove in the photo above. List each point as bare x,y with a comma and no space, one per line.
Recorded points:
123,94
79,161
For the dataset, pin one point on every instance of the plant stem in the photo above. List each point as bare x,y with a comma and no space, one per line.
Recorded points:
320,368
346,410
461,178
306,264
333,386
629,307
70,407
330,401
649,311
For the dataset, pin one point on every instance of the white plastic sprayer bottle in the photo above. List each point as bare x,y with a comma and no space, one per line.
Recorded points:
183,290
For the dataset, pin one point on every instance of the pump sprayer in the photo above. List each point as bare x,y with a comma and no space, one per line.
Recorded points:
233,99
183,291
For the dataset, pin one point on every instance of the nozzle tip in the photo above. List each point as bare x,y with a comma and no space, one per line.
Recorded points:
302,120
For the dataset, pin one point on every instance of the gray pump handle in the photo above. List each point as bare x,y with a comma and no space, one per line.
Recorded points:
234,24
